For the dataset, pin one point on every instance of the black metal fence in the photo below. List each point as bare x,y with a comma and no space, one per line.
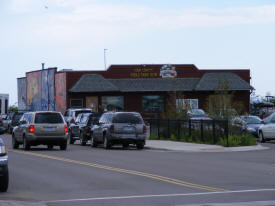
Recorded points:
200,131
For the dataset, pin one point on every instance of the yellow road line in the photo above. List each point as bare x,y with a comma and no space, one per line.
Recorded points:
132,172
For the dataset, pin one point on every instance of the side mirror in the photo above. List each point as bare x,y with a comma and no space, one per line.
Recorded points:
262,122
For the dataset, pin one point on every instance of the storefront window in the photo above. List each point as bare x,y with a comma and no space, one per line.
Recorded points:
183,104
111,103
152,103
76,103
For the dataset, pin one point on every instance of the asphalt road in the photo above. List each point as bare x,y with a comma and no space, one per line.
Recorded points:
93,176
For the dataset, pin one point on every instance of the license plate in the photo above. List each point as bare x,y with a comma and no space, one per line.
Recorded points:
128,129
49,129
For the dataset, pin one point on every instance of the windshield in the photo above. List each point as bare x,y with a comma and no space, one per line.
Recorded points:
52,118
197,112
82,111
17,116
252,120
127,118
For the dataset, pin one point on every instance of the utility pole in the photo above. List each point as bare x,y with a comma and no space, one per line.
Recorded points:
105,57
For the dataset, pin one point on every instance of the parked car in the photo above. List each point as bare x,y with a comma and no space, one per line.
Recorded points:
71,114
119,128
7,120
46,128
197,114
1,120
14,121
251,124
82,126
267,130
4,171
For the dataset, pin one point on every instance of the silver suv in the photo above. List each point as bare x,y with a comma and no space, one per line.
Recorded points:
4,172
119,128
35,128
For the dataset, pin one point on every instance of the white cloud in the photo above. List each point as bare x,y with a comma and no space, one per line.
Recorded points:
93,22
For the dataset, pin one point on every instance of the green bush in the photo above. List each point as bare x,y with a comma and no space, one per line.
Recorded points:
235,141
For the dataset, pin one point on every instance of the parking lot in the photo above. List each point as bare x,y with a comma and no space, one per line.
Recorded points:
82,175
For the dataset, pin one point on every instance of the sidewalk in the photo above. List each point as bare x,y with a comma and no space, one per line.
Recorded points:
193,147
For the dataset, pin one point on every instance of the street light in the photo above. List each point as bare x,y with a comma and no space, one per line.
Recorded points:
105,57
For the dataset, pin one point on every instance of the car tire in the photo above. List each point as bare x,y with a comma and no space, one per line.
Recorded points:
93,141
140,145
63,146
4,180
261,137
15,144
106,143
71,139
26,144
82,140
50,146
125,145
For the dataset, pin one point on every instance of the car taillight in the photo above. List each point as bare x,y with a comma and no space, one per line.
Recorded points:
87,129
112,128
144,128
65,128
31,128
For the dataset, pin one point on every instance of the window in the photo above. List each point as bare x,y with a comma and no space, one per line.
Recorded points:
127,118
6,106
76,103
183,104
152,103
112,103
52,118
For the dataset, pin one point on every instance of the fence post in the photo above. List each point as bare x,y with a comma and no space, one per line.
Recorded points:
214,131
178,126
202,137
158,128
168,128
189,127
226,132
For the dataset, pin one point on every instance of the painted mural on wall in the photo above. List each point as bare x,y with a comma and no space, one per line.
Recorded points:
47,88
34,91
21,93
60,89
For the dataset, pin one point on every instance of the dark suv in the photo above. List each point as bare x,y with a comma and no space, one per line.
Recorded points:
4,172
71,114
82,127
119,128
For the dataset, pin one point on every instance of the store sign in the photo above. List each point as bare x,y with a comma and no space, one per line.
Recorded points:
168,71
143,73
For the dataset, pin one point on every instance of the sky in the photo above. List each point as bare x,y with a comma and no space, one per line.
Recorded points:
72,34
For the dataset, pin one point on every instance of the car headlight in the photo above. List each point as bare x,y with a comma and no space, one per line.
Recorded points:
3,151
251,129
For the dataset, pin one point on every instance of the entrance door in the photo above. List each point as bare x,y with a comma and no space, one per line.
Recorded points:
92,103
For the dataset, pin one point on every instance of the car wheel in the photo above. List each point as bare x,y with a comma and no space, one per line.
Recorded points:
261,137
140,145
125,145
71,139
93,141
63,146
82,139
106,143
26,144
4,180
50,147
15,144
